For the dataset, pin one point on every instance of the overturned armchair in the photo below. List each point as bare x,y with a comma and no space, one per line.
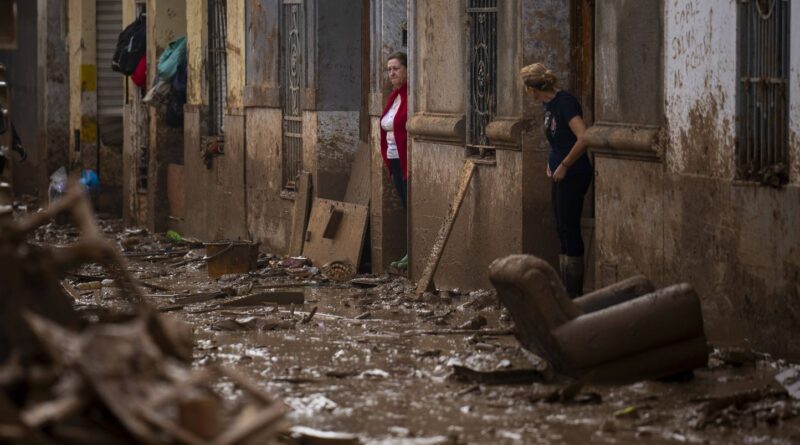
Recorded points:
626,332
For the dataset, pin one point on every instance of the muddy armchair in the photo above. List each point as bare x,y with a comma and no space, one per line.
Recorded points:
620,334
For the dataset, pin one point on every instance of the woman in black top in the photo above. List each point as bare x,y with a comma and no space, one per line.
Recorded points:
568,166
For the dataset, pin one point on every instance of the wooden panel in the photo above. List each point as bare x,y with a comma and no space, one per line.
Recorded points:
348,240
302,203
358,187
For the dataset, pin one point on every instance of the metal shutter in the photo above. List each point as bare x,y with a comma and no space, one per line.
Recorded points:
110,85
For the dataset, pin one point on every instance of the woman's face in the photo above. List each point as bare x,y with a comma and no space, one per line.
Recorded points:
538,95
397,72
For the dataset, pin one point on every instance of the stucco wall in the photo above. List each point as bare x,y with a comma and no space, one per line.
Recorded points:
685,218
488,226
700,87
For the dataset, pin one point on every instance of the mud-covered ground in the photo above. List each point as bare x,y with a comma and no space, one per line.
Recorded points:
376,362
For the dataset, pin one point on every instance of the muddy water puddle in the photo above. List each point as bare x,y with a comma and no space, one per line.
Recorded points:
377,363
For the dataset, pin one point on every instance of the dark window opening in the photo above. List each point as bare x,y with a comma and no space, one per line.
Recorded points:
762,149
482,81
217,66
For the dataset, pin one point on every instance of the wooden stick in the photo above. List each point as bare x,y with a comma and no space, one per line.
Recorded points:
444,231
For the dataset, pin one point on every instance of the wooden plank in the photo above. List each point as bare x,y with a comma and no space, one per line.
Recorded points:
444,232
301,207
358,187
348,241
259,299
175,191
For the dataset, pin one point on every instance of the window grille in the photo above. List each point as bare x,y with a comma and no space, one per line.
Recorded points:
762,142
482,82
218,66
293,80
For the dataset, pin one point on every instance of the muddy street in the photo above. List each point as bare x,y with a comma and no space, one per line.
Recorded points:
369,359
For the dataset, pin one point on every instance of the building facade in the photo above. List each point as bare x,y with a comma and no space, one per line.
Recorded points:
697,148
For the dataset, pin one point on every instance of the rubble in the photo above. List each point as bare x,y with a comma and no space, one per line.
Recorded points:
67,381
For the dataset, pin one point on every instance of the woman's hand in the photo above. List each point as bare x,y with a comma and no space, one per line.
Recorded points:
560,173
549,173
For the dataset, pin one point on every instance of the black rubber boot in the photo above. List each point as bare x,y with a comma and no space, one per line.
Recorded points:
574,276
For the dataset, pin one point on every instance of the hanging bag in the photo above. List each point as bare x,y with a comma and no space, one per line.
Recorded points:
131,46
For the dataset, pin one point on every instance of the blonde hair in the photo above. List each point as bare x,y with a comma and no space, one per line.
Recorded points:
538,76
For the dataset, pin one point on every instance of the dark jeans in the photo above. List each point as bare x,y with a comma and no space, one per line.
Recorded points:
400,183
567,197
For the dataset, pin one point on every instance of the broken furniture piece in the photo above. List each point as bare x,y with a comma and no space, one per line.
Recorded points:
620,334
336,233
227,257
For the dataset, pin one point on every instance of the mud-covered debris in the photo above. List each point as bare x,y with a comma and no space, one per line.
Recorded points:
476,322
436,440
306,435
790,379
252,323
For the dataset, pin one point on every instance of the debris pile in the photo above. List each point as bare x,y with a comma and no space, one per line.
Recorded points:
64,380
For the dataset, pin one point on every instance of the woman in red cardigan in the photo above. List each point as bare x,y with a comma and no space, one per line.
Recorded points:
393,131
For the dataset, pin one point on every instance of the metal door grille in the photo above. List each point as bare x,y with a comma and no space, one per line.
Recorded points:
294,63
762,143
218,66
482,87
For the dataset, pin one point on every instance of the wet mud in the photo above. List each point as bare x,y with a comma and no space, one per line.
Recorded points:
369,358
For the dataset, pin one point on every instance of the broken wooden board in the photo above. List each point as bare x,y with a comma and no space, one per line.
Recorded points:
284,298
348,240
302,203
358,187
444,232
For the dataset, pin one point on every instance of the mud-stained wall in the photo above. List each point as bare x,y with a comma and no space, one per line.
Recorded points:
685,217
269,217
489,224
53,81
83,81
700,87
196,46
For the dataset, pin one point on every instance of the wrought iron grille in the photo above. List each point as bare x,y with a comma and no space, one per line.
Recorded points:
762,143
218,66
293,80
482,87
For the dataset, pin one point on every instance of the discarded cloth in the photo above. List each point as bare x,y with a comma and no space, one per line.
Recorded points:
171,58
158,93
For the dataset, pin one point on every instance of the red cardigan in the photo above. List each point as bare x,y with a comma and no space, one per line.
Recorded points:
400,134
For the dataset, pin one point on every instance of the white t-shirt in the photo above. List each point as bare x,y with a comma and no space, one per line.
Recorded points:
387,123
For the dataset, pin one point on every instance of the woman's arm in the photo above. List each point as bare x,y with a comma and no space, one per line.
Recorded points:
578,127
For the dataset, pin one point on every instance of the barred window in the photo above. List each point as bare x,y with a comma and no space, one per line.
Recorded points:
293,80
482,81
763,97
217,66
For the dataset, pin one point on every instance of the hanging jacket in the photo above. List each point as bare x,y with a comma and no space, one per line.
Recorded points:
139,76
400,134
171,58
